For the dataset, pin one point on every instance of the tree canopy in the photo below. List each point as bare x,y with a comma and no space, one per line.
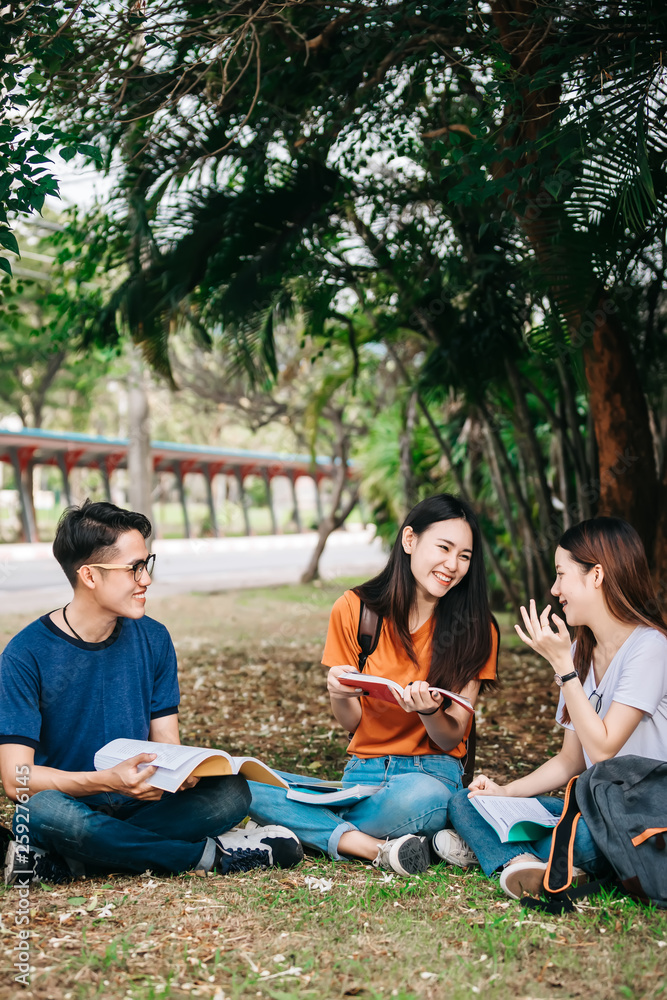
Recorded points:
477,188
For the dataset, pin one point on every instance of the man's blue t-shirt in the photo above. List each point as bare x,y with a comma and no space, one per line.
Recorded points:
66,698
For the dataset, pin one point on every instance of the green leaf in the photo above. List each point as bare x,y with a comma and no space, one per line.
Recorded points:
76,900
68,153
8,241
88,150
5,266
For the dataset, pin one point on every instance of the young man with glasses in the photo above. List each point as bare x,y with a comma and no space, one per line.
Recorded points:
88,673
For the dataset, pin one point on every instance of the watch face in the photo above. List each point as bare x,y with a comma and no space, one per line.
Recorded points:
559,680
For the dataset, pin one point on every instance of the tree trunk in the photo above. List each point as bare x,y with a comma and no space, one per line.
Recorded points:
535,546
628,485
405,443
329,523
500,491
505,582
660,546
28,477
581,467
139,465
617,402
526,432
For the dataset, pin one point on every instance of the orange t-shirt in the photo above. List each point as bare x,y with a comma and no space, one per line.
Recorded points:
385,728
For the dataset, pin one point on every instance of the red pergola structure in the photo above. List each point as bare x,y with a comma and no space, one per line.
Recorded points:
69,450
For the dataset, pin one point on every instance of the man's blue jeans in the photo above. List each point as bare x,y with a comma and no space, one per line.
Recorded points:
492,854
412,798
112,833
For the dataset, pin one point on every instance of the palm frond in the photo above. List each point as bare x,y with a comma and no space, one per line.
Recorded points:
229,266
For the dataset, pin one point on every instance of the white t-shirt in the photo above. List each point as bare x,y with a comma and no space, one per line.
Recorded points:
636,676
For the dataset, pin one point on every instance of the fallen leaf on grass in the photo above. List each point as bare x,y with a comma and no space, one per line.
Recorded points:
547,965
294,970
321,884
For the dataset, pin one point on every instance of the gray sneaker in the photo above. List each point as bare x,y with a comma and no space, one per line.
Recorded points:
406,855
453,849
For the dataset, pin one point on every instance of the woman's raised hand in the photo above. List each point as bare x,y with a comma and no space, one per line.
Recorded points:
482,785
418,698
338,690
553,646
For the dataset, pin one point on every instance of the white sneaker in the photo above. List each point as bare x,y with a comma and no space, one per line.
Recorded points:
524,874
453,849
246,827
406,855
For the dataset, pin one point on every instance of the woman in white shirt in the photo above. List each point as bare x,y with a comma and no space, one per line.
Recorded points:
613,695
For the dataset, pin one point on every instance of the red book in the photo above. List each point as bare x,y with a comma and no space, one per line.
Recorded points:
381,687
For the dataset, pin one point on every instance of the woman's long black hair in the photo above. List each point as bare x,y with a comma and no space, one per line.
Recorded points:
462,640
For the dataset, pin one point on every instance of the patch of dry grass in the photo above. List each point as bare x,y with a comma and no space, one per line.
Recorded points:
324,929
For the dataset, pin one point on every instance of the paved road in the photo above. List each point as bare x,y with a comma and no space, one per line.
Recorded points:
31,580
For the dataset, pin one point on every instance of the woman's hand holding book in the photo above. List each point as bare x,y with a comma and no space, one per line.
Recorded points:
338,690
418,697
481,785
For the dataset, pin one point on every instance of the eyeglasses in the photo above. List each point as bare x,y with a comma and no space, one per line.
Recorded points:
137,567
598,703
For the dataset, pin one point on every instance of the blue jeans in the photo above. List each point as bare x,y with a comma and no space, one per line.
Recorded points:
412,798
492,854
106,833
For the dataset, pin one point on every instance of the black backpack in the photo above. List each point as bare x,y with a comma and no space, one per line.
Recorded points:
368,635
624,804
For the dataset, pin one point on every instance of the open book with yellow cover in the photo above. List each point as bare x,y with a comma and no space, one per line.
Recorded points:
175,763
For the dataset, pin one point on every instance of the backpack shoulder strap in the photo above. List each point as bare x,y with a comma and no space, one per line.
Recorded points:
471,750
368,632
558,876
559,893
471,743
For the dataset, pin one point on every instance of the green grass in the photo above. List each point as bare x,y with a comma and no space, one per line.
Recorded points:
445,933
319,594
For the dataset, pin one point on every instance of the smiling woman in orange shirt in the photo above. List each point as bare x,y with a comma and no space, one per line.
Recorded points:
437,631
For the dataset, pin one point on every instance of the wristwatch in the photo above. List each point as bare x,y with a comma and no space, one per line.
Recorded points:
561,679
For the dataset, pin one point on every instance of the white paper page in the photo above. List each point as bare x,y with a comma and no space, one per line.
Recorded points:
506,811
170,756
